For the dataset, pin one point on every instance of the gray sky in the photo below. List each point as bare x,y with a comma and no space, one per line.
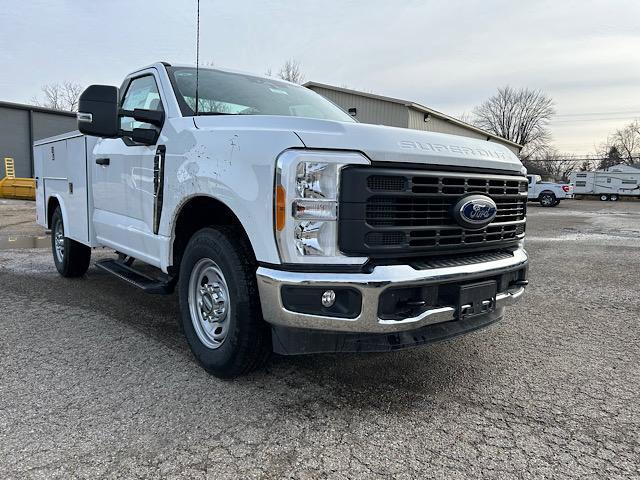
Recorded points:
449,55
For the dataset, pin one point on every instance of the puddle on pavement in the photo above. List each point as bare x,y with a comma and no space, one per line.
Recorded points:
11,242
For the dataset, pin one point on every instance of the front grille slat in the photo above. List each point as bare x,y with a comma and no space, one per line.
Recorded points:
411,211
393,211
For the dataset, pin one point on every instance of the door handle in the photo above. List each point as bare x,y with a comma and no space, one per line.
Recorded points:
102,161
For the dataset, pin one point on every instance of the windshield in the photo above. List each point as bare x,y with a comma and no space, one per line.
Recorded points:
224,93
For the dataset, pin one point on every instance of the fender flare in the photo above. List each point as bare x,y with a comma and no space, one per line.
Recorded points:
175,214
63,209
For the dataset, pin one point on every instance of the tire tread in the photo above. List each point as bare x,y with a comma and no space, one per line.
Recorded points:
252,350
77,256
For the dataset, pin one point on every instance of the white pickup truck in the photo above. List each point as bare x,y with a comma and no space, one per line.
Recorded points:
284,225
547,193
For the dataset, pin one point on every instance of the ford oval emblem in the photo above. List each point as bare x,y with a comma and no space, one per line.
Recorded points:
475,211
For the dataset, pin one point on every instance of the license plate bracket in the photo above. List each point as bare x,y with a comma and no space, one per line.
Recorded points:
477,299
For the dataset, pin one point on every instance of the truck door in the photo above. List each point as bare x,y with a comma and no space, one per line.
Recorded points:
532,187
124,178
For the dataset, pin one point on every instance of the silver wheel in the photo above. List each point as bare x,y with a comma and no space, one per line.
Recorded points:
209,303
58,238
547,200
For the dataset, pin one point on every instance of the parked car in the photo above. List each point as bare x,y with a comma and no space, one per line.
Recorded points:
547,193
284,224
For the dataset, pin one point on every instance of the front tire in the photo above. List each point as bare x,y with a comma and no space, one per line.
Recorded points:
219,304
613,197
71,258
548,200
604,197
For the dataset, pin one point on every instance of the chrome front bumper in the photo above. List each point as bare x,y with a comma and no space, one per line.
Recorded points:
371,286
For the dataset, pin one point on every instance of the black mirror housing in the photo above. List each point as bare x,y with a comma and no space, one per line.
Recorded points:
98,111
146,136
154,117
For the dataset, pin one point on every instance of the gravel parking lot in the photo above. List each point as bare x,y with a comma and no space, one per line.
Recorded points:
96,379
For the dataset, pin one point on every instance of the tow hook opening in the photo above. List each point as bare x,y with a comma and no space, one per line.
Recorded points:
467,298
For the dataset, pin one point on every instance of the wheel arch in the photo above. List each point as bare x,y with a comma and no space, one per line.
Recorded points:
195,213
53,202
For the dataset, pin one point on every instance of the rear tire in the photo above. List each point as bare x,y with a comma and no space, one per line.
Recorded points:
219,304
548,199
71,258
614,197
604,197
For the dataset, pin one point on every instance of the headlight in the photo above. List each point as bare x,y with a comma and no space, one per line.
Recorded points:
306,205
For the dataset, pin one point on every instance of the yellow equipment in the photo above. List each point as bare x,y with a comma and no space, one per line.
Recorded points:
12,187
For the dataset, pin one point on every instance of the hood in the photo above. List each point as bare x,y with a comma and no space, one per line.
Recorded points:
391,144
381,143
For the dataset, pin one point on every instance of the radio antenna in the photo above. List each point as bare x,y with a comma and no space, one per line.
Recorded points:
197,54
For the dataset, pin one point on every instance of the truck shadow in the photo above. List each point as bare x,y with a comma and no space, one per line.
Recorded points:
382,380
371,380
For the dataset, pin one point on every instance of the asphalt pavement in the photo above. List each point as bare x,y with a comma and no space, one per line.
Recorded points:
97,381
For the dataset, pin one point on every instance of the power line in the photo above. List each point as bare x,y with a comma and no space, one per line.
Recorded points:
586,158
592,119
587,114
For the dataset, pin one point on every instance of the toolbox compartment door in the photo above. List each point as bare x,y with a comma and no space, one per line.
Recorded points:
62,167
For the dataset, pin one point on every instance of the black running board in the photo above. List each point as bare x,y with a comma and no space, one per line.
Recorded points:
136,278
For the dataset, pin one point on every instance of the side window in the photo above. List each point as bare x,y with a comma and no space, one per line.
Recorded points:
530,180
141,93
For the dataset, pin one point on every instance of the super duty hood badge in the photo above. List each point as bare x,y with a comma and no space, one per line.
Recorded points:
456,149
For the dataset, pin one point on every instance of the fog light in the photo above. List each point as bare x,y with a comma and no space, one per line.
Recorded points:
328,298
336,302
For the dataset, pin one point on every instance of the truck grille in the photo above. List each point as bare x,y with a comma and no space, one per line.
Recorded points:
386,211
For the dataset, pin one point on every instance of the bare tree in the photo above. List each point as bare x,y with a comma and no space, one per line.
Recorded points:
64,96
291,71
623,146
627,141
466,117
552,164
609,156
521,116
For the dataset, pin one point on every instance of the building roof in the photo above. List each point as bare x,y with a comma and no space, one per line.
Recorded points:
415,106
33,108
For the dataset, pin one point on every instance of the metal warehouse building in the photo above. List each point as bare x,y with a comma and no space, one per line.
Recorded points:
379,110
21,125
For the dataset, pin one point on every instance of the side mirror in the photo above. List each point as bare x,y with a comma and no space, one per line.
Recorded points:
98,111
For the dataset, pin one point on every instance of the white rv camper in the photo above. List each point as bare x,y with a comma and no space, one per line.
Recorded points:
610,184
